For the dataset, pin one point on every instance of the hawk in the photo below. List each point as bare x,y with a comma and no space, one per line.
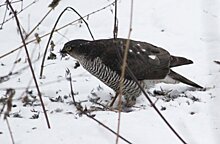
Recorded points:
150,64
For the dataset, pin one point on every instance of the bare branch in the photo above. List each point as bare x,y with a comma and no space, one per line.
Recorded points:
10,94
9,128
29,62
124,64
38,24
54,3
51,34
80,109
115,31
5,21
142,89
155,108
56,30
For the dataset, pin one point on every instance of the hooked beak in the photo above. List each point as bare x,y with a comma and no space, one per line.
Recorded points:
63,53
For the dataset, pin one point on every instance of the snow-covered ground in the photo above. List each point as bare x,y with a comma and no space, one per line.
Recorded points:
184,28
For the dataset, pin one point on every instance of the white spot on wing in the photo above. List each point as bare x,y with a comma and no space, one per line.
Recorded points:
138,44
138,52
130,50
144,50
152,57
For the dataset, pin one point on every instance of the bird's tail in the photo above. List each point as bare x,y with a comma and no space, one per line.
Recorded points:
178,61
182,79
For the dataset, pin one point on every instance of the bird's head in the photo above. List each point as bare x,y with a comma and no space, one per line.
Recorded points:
75,48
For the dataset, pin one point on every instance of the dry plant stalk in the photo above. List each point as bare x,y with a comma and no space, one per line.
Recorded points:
123,72
5,21
56,30
29,61
135,79
52,5
10,93
9,128
115,30
82,111
27,35
51,34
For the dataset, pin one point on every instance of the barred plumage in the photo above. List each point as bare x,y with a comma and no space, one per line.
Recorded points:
110,78
149,64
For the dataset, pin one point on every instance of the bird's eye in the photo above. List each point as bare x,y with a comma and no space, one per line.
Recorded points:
68,48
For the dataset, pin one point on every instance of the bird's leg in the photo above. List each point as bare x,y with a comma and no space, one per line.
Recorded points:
130,101
114,98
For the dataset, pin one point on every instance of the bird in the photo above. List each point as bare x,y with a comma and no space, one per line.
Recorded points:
149,64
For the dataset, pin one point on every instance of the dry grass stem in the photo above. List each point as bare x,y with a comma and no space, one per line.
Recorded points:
85,111
123,71
115,30
10,131
5,21
51,34
56,30
10,94
29,62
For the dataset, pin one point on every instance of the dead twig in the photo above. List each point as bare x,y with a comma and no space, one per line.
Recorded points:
51,34
12,2
56,30
115,31
68,77
9,93
124,64
9,128
6,9
5,21
148,98
27,35
217,62
85,112
52,6
139,85
154,106
29,62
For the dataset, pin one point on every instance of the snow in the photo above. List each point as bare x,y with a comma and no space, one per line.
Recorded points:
184,28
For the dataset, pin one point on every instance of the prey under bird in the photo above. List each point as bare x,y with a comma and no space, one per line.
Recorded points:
150,64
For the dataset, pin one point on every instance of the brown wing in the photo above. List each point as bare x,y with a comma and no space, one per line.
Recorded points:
145,60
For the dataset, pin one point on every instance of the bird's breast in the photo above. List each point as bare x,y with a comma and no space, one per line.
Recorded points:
109,77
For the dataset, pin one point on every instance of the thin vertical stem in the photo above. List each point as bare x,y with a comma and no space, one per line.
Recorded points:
53,30
38,24
9,128
29,62
123,71
115,31
80,108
